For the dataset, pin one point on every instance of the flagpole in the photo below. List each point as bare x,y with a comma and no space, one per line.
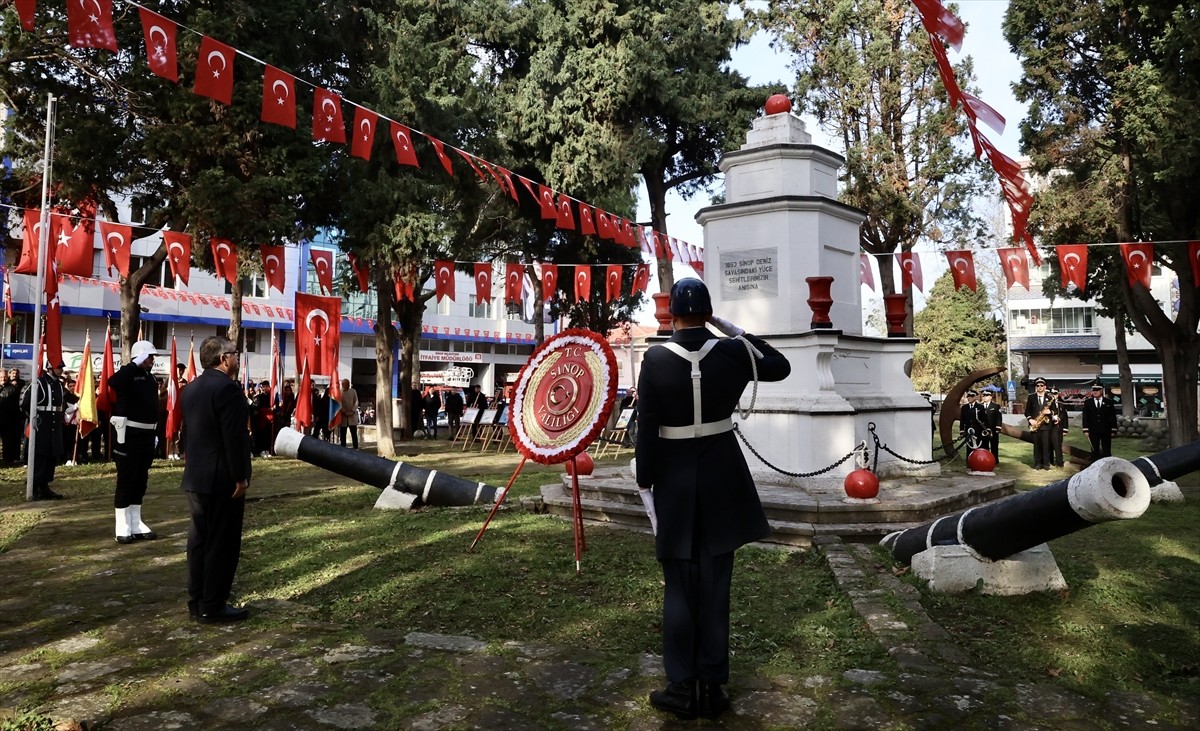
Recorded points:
43,245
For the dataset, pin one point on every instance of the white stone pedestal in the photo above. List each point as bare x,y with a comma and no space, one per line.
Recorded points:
954,570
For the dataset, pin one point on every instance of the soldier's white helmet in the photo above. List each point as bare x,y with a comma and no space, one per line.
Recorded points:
143,349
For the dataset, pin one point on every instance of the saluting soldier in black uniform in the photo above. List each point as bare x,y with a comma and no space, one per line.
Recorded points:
704,497
46,416
134,423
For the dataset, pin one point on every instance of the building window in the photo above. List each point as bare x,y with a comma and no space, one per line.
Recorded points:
254,285
250,340
1052,321
160,277
443,306
20,328
159,332
514,311
481,309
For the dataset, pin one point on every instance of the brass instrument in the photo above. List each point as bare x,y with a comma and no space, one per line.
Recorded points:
1047,413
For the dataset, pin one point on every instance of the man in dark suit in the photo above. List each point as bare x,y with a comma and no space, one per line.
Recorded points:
215,477
1059,433
1099,420
969,424
1038,410
704,496
991,418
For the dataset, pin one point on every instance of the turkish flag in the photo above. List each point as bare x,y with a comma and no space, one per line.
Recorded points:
564,218
483,282
90,24
612,281
587,220
318,331
549,281
31,242
910,270
471,161
402,140
161,53
941,21
278,98
327,124
225,260
1139,261
443,279
625,235
440,148
174,408
645,240
583,283
75,248
962,268
214,71
365,122
604,227
402,289
1194,258
513,274
274,271
322,261
179,254
946,71
1016,266
1073,262
641,280
546,201
116,239
505,181
865,274
25,10
103,395
662,250
979,110
304,398
697,259
361,270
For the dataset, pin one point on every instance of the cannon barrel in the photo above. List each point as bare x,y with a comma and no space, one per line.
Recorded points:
430,486
1170,464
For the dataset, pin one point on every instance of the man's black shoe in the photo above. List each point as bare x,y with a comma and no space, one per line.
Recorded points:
124,540
713,700
144,536
226,614
46,494
193,609
677,698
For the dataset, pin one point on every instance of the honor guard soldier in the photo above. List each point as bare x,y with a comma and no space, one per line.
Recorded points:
704,497
1099,421
134,423
991,418
1059,432
45,412
970,426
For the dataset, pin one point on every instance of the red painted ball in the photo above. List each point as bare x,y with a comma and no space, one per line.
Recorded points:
981,460
583,461
861,484
778,104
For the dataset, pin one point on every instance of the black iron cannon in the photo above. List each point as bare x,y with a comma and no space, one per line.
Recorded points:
431,487
1110,489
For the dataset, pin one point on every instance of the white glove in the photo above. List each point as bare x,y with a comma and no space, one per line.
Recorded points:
726,327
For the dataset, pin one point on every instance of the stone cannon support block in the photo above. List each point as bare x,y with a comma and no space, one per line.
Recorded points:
953,570
392,499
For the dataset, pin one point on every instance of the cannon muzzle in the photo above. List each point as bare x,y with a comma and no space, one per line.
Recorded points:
430,486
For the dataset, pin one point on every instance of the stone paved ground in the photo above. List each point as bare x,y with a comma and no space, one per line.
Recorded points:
90,634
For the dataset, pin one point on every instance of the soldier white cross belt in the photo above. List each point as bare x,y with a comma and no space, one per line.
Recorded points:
697,428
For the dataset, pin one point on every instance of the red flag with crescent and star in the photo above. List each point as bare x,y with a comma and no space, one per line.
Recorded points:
549,281
583,283
31,243
473,162
483,283
1073,261
214,71
327,124
505,180
274,271
443,279
318,331
1194,258
225,261
641,280
865,274
25,9
365,122
52,337
278,98
1139,260
322,261
103,395
587,224
361,270
513,274
90,24
402,288
116,239
161,53
174,408
74,248
962,268
549,210
604,227
910,270
440,148
304,398
179,254
612,281
564,218
402,141
1016,266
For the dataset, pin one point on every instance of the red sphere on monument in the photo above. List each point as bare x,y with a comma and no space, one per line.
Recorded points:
981,460
778,104
585,463
861,484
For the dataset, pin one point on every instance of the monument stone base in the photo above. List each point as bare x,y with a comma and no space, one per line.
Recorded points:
955,570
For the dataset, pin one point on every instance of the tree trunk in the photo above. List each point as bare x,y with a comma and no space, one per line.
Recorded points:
234,332
385,345
1129,400
410,368
131,301
656,191
1179,369
539,306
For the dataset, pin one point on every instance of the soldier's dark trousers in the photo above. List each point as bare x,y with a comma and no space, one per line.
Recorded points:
696,617
1056,447
993,444
133,459
44,463
1041,447
1101,444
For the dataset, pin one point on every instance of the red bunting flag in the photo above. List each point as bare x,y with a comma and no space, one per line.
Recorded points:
443,279
402,288
174,408
697,259
625,233
52,338
865,274
25,10
1016,266
483,283
641,280
161,53
504,179
103,395
365,122
318,329
214,71
513,274
274,271
90,24
279,98
225,260
612,282
546,202
361,271
1073,262
31,241
304,398
564,218
322,261
327,124
604,226
402,141
440,148
116,239
179,254
587,224
946,72
190,373
583,283
962,268
980,111
1139,261
470,159
662,247
1194,258
910,270
549,281
75,249
940,21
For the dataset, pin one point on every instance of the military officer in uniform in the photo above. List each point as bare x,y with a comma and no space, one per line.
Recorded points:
970,425
1059,432
134,423
1040,415
1099,420
991,418
704,496
45,412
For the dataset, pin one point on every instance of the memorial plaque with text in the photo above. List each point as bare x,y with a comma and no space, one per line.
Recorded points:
749,274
